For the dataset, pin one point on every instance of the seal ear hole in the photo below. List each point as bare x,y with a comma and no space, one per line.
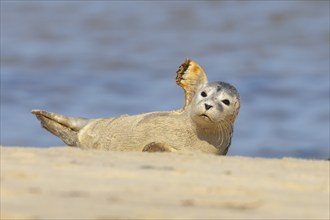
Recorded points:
226,102
203,94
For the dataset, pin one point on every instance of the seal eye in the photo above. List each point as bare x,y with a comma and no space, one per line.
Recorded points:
203,94
226,102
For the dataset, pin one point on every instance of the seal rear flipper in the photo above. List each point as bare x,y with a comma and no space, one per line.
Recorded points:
66,128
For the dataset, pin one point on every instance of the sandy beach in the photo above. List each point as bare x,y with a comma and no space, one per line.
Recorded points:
69,183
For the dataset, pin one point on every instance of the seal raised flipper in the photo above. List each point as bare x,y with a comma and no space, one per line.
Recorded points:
190,76
62,126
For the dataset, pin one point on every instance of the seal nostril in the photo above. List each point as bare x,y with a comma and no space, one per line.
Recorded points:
207,107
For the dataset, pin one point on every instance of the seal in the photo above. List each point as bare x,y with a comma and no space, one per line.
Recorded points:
204,123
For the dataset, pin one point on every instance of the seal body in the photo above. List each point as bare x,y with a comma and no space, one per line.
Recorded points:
204,124
133,133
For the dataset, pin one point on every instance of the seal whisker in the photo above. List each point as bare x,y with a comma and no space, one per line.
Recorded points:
222,136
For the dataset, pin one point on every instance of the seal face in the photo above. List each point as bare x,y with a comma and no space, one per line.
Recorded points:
214,103
204,123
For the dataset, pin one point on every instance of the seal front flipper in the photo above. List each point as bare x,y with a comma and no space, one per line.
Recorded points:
158,147
190,76
63,127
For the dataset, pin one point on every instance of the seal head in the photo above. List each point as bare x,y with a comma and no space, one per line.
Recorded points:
215,103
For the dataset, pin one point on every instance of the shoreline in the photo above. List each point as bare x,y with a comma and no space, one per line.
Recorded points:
65,182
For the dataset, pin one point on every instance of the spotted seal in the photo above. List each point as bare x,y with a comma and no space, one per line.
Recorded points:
204,123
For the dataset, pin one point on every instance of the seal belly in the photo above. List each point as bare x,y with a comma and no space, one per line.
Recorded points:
133,133
110,134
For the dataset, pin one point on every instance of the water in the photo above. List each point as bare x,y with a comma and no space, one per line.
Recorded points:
106,58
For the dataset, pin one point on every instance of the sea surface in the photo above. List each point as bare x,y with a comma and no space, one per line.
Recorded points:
106,58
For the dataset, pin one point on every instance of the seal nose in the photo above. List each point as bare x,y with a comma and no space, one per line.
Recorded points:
207,107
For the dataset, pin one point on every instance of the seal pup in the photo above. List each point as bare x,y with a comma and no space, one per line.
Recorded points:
204,123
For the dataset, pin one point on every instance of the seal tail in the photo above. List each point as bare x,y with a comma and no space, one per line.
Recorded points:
64,127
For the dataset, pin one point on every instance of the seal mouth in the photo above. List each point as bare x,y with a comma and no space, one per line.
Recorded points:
206,117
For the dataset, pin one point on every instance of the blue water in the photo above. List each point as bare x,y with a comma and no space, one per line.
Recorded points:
106,58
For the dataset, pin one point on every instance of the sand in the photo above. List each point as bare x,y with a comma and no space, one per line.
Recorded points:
69,183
